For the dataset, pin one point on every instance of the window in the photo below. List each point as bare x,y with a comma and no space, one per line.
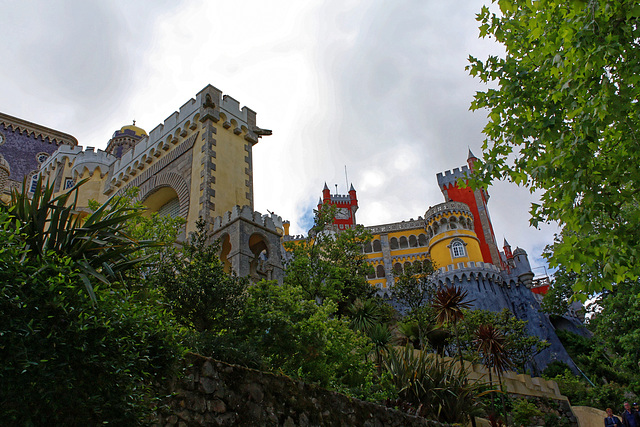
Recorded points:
393,243
170,209
68,183
404,243
41,157
380,271
457,249
377,247
34,183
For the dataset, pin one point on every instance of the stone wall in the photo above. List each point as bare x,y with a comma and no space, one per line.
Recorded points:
216,393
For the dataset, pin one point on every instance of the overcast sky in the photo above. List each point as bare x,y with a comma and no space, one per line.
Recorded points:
377,86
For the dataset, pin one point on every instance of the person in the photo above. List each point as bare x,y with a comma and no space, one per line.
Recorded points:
630,417
612,420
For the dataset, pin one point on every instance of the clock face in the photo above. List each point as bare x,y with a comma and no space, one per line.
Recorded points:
343,213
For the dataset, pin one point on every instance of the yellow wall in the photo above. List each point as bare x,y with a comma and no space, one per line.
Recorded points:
441,254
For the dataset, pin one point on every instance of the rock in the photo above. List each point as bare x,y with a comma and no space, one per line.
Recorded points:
208,385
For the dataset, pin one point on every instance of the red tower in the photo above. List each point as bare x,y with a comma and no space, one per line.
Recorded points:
477,202
346,205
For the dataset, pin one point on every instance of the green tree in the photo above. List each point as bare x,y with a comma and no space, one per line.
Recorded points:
416,285
329,264
556,301
198,290
563,119
298,337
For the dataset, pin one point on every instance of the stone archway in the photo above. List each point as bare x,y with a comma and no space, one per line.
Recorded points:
161,181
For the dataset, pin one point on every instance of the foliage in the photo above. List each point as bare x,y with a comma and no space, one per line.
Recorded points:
97,243
524,411
554,369
300,338
365,314
161,229
617,324
66,361
198,290
520,346
431,387
556,300
330,265
448,305
416,285
563,120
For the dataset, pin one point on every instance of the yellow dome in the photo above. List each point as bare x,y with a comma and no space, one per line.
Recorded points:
138,131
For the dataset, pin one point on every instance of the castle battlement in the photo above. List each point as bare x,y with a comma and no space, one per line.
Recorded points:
91,160
450,177
64,153
463,271
436,211
209,102
397,226
272,222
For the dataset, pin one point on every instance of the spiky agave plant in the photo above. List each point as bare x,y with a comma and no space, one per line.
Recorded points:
96,242
491,346
364,314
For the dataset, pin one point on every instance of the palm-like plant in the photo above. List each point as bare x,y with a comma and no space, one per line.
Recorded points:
448,304
364,314
380,336
491,346
431,387
96,242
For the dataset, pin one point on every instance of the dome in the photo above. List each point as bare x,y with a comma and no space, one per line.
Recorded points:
135,129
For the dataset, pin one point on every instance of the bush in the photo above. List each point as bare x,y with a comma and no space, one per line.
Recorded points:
524,411
66,360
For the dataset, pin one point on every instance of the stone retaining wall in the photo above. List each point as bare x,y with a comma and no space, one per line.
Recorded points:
216,393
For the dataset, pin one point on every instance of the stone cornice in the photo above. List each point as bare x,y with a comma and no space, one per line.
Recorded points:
38,131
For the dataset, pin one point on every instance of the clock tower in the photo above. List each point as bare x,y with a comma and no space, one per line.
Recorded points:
346,204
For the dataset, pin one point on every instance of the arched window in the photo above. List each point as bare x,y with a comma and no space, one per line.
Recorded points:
403,242
371,275
422,240
34,183
413,242
170,209
380,271
457,249
397,268
376,246
367,248
407,266
393,243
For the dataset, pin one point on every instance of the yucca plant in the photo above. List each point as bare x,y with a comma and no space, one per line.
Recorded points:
430,386
448,304
491,346
96,242
380,336
364,314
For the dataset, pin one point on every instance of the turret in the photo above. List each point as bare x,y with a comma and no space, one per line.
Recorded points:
124,139
522,267
507,249
471,160
326,194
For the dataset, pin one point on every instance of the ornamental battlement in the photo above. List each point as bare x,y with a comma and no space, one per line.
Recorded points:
451,177
396,226
436,211
80,158
271,222
36,131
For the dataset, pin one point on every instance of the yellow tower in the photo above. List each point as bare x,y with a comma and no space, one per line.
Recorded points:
452,239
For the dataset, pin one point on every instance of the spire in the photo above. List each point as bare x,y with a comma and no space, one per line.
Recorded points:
471,155
319,201
325,186
506,244
352,189
471,159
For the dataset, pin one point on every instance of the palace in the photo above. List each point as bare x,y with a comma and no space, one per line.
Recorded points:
198,164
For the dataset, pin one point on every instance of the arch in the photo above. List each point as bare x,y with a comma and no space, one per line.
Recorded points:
259,247
407,265
393,243
168,179
457,248
377,247
380,271
422,240
397,268
403,242
225,249
453,223
371,275
367,248
413,242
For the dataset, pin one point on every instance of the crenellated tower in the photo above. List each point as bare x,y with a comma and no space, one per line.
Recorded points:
477,201
346,204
